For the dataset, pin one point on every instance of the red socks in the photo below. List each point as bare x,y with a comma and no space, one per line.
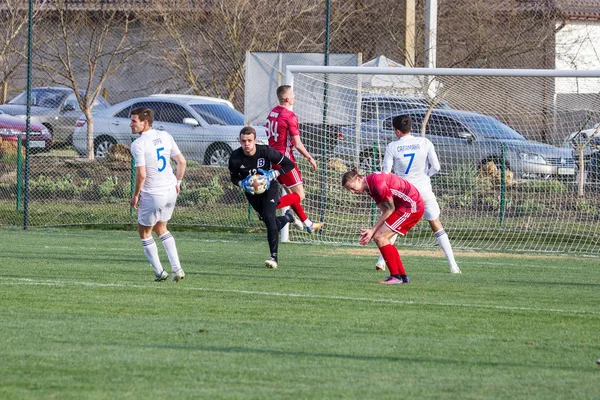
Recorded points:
392,259
293,200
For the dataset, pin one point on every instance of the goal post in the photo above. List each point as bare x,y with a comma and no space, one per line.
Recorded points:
514,174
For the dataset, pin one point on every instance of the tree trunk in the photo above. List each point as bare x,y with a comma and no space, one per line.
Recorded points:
4,92
90,134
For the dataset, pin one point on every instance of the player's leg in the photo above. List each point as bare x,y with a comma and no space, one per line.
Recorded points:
269,216
266,208
399,222
432,214
444,243
292,181
380,265
389,252
146,220
168,241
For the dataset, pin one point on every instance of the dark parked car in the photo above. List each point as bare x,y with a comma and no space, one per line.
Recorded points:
54,107
460,138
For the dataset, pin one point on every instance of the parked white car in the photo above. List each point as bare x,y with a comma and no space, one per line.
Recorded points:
206,129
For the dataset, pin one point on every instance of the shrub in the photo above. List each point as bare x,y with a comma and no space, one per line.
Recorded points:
44,188
110,190
204,195
585,207
543,186
529,208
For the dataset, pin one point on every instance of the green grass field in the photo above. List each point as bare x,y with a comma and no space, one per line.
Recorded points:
82,319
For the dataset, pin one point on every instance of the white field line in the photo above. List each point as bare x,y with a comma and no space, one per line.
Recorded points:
27,281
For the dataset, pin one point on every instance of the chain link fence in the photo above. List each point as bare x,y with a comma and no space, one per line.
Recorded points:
93,54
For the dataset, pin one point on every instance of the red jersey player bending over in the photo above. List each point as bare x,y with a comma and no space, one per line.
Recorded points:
284,136
401,208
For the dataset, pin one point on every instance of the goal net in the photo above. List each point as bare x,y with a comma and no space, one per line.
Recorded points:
519,166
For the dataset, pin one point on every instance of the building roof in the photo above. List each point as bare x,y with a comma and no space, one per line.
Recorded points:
579,9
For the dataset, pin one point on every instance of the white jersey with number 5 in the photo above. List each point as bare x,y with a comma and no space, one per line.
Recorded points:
414,159
154,149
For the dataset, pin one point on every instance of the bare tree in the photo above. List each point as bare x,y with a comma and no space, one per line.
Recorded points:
89,46
13,42
205,50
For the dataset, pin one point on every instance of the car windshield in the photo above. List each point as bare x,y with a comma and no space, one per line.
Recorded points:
219,114
43,97
492,128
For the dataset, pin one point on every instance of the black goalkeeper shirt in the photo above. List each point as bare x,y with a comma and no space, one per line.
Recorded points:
241,165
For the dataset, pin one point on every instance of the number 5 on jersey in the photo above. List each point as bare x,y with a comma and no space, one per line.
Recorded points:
272,129
162,158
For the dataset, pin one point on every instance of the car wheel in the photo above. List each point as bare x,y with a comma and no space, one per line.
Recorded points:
101,146
217,155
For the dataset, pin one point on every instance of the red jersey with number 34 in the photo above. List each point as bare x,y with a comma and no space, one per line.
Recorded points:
281,125
385,186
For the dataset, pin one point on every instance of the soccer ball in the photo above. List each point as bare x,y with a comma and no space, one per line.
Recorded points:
259,183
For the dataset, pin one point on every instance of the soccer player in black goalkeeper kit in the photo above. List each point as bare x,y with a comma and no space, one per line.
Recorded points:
248,160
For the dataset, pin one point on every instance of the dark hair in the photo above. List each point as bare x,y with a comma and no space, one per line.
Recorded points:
403,123
144,114
248,130
282,91
349,176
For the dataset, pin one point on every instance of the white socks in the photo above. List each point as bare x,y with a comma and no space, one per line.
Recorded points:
151,251
152,255
444,243
168,242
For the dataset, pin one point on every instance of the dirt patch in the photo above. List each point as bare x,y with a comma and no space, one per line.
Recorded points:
370,251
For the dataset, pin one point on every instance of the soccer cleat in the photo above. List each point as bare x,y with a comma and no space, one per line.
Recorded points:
163,276
314,227
455,270
177,276
298,224
271,263
391,280
380,267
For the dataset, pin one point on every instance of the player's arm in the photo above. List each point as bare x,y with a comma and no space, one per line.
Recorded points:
140,178
432,159
181,164
387,208
277,158
388,159
140,173
300,147
234,172
295,133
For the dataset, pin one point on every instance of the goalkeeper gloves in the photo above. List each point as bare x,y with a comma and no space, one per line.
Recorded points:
245,184
271,174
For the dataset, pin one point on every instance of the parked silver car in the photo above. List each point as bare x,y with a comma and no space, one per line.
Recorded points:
54,107
461,138
206,129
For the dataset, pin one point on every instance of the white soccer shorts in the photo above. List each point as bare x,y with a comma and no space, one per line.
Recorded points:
432,208
156,207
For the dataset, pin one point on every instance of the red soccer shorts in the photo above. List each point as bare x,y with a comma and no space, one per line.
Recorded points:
402,221
290,179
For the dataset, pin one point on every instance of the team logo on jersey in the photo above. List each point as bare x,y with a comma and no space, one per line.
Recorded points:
260,163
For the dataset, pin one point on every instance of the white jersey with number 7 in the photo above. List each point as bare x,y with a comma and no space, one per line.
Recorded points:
414,159
154,150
